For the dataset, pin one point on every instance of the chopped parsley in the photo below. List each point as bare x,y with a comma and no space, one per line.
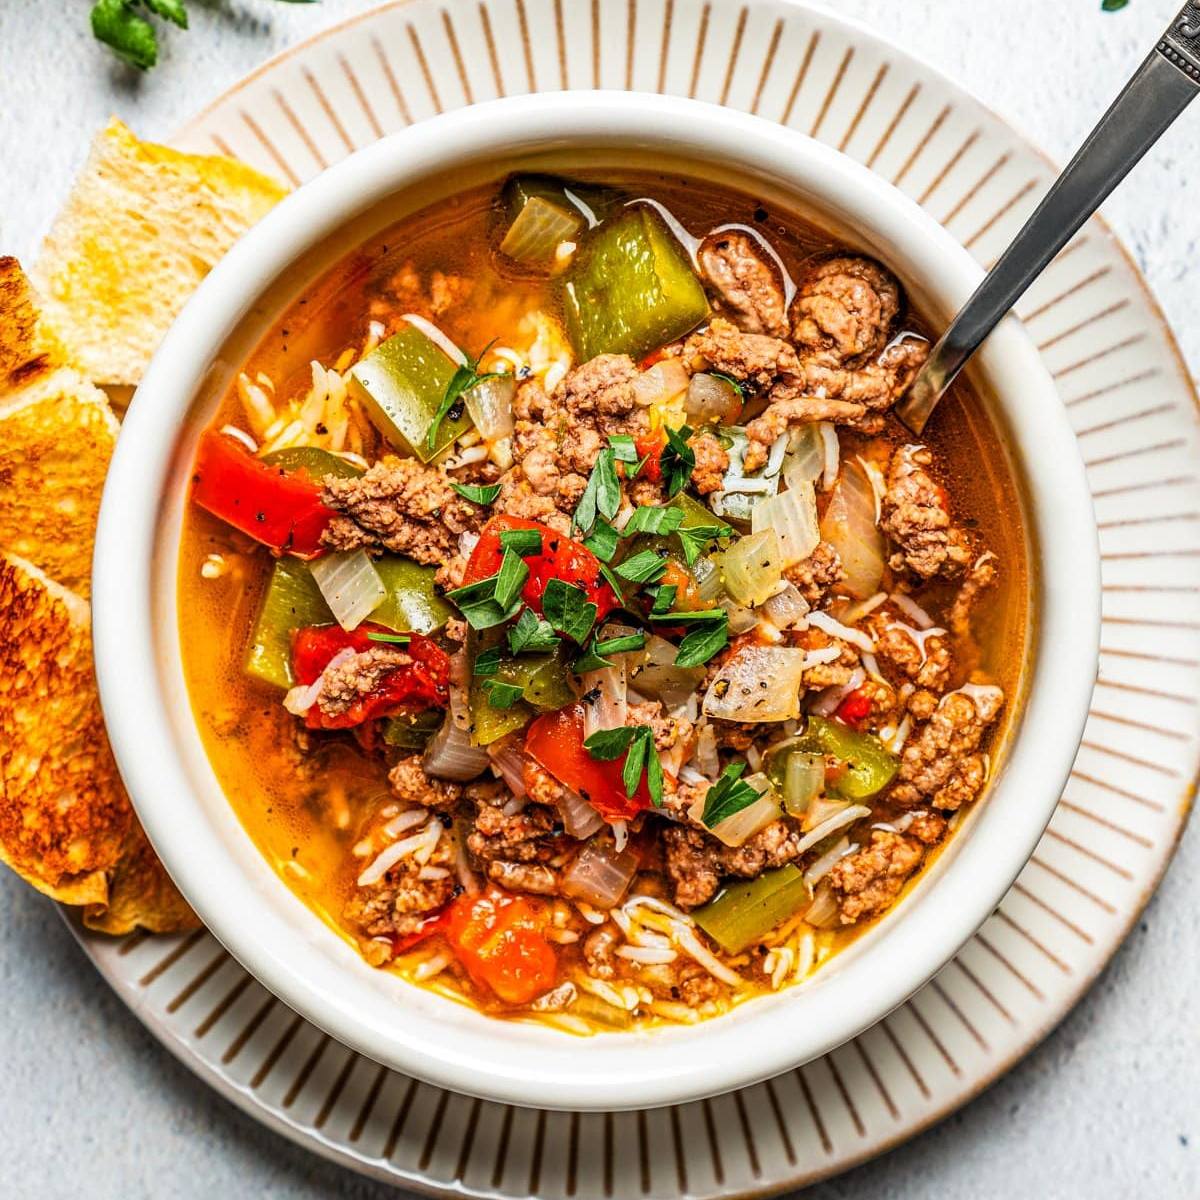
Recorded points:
702,643
501,694
662,520
568,609
695,539
510,579
478,604
729,795
487,662
624,447
636,743
465,378
594,659
645,567
601,497
531,635
478,494
525,542
678,460
395,639
603,540
664,598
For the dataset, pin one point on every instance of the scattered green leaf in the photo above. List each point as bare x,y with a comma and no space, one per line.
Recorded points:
729,795
524,542
531,635
568,609
482,494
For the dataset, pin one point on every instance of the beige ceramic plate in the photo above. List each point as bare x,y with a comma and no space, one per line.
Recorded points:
1117,824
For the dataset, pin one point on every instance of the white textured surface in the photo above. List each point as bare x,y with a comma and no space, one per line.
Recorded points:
1106,1108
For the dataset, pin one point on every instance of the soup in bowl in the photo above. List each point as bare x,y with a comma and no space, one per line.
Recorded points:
571,627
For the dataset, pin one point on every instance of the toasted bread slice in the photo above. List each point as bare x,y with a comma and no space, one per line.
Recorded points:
140,894
57,435
26,349
64,813
142,227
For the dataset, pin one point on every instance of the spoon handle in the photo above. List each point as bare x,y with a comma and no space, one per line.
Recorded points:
1161,89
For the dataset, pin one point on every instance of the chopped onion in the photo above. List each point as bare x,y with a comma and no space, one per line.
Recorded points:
579,818
823,911
825,863
819,833
878,484
831,452
741,618
803,781
787,609
707,761
793,517
849,526
437,337
855,637
539,228
600,875
661,383
746,822
490,406
820,812
605,698
759,683
350,584
711,399
655,674
805,460
708,579
508,761
753,566
450,754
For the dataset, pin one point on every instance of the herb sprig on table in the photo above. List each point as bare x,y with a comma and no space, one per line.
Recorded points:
122,27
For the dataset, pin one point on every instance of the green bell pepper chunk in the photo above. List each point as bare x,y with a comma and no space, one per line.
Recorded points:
542,678
413,604
632,288
292,601
316,462
412,732
401,383
744,913
869,767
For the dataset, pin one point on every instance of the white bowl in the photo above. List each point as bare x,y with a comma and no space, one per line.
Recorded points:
211,857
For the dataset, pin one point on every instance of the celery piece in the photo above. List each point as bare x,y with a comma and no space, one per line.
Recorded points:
412,732
292,601
315,462
589,200
744,913
631,289
412,603
869,767
401,383
538,230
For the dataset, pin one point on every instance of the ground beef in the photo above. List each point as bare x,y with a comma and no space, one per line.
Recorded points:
529,836
754,358
518,499
979,578
524,877
868,881
599,951
746,286
696,987
696,861
668,730
941,764
343,685
398,505
927,827
409,783
844,309
711,463
895,647
916,516
785,414
817,573
405,292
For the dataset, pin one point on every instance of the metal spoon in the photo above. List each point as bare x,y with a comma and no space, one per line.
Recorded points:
1163,86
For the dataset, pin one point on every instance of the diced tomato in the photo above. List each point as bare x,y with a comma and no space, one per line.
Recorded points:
500,939
282,509
403,943
556,742
854,709
652,443
561,558
419,685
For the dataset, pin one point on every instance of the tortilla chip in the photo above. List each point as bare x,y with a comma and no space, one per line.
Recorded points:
143,225
64,813
140,894
57,435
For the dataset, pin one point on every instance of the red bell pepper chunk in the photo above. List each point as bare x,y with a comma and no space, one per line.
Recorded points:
421,684
500,939
282,509
556,742
561,558
854,709
650,446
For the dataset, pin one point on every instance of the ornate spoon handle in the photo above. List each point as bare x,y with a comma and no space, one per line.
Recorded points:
1163,86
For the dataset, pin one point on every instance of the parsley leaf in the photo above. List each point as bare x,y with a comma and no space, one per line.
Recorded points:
1113,5
531,634
661,520
568,609
396,639
635,759
501,694
678,460
654,773
695,539
462,381
525,542
636,742
664,598
610,577
511,578
594,659
602,496
172,10
624,447
484,494
645,567
477,603
694,616
702,643
487,662
130,37
609,744
602,541
729,795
